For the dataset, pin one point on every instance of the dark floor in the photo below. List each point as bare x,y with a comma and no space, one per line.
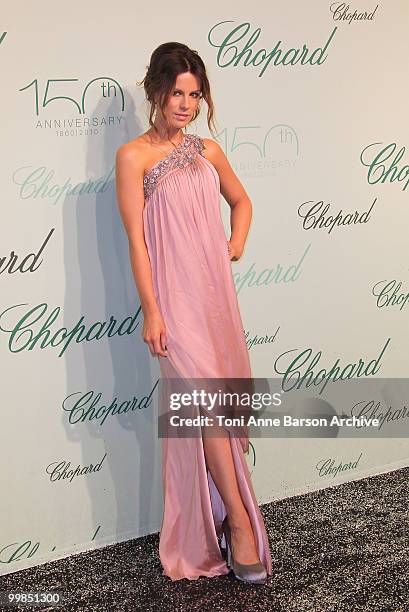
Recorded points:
344,548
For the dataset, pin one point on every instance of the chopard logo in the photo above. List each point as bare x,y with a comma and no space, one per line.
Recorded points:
340,12
266,276
90,406
378,170
28,264
60,470
36,329
388,293
328,467
315,215
38,183
303,369
235,48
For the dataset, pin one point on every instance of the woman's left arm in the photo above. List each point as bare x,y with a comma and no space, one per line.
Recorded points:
235,195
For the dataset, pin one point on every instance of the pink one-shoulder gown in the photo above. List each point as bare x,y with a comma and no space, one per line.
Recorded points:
194,289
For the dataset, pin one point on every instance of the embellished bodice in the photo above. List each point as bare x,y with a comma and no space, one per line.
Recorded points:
181,156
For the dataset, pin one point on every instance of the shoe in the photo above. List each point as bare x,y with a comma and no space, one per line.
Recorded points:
255,573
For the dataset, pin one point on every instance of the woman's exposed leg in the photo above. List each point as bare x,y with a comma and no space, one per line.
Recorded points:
220,463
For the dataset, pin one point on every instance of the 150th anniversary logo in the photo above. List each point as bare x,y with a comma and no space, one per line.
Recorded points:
68,95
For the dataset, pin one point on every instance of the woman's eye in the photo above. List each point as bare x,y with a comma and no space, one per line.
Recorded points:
196,95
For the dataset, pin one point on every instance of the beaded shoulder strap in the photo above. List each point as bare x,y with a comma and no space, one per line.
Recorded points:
180,157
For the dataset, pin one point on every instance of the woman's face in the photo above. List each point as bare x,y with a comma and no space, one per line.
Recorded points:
183,100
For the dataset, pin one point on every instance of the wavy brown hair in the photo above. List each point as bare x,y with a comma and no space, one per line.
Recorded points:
166,63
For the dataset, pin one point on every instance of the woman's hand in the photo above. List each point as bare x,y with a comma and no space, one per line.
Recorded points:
154,334
235,250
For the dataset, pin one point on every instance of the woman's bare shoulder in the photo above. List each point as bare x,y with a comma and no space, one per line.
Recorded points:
134,151
132,147
212,151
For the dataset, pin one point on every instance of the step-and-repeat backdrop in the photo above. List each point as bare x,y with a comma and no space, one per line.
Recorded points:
311,106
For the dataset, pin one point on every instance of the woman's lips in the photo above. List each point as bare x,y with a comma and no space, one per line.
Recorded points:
181,116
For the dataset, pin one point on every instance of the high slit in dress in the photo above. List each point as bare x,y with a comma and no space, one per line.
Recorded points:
194,289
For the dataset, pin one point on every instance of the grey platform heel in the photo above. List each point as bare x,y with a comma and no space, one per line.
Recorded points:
254,573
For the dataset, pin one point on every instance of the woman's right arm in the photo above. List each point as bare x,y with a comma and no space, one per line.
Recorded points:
131,201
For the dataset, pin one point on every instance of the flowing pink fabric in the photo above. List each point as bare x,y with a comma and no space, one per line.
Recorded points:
194,288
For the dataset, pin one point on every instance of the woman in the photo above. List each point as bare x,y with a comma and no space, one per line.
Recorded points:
168,189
